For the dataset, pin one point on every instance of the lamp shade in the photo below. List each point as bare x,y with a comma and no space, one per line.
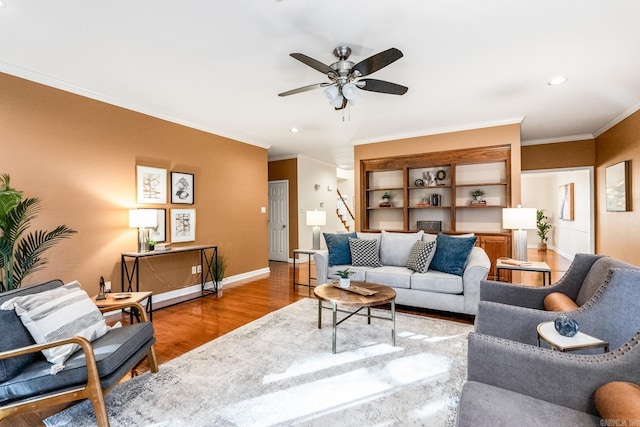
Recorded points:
142,218
316,218
519,218
349,91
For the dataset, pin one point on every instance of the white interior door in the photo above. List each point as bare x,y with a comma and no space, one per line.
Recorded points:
279,221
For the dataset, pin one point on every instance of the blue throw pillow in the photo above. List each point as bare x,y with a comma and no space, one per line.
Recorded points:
452,253
338,245
14,335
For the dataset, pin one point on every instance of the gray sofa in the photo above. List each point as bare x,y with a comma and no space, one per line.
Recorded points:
435,290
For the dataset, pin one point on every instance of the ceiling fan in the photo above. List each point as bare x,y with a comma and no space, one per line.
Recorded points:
346,76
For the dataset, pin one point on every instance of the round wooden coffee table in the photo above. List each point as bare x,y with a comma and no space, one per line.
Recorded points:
338,296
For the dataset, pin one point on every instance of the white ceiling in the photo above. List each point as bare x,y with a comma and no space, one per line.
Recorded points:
219,65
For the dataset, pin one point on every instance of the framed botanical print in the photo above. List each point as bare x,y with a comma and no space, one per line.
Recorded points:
183,225
566,202
618,194
151,185
182,188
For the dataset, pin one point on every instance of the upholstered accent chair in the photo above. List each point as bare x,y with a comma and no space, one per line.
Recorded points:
606,292
26,378
510,383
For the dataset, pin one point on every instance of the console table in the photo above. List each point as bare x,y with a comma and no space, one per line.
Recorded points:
208,253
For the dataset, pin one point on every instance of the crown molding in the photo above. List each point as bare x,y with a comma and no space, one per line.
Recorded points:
617,119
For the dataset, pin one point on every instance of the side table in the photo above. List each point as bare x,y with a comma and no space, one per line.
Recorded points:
309,253
547,332
534,266
114,303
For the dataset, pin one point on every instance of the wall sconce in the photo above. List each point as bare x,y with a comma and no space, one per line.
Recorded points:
316,219
142,219
519,219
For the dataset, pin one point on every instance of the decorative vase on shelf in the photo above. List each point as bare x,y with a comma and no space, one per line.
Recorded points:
345,283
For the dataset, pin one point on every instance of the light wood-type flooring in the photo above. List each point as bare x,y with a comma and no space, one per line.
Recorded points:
185,326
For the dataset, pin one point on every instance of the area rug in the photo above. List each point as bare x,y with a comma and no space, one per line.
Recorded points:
279,370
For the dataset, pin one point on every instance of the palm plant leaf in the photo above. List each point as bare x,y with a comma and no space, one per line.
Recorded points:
9,198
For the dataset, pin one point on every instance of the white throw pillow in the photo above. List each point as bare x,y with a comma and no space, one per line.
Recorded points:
60,313
395,247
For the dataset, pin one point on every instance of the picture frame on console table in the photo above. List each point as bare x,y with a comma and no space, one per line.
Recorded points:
183,225
617,178
151,185
182,188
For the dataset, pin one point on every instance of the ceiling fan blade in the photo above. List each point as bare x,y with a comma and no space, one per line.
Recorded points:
313,63
381,86
377,61
303,89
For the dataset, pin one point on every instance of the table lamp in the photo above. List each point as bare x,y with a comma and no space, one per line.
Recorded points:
519,219
316,219
142,219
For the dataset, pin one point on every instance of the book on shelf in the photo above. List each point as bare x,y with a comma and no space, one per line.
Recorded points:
510,261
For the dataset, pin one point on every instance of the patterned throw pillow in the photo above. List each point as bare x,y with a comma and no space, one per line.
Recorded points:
57,314
364,253
421,255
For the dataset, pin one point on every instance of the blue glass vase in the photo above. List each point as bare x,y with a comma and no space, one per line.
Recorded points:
566,326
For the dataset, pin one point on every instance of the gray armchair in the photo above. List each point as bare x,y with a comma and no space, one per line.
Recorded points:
88,373
607,292
510,383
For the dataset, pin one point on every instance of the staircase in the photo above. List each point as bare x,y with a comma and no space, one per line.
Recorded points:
343,211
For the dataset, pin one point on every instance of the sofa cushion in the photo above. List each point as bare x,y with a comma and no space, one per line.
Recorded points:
618,401
452,253
57,314
421,255
14,335
395,247
557,301
338,246
396,277
364,253
437,281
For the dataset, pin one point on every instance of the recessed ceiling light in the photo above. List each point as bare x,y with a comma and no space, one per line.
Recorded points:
558,80
294,130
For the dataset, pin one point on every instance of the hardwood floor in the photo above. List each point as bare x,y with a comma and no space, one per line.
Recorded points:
183,327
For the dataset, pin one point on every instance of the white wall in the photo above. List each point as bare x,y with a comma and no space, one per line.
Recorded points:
311,173
540,190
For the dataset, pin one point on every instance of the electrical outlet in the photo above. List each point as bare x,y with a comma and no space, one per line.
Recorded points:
107,286
194,270
198,269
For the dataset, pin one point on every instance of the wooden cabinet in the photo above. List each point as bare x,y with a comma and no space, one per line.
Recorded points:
433,191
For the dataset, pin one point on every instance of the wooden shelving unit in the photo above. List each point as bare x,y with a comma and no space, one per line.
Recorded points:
452,176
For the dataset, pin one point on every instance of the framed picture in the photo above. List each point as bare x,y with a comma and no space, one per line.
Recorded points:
151,185
566,202
159,233
617,179
182,189
183,225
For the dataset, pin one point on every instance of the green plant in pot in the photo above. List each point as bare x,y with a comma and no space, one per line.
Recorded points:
477,194
345,277
219,267
542,223
21,251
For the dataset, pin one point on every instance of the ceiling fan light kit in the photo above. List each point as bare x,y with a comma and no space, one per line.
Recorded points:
345,76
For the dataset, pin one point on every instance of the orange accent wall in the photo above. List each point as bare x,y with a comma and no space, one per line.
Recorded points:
79,157
288,170
616,232
559,155
485,137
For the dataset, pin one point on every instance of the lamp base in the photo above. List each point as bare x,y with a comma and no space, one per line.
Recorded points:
520,243
316,237
143,239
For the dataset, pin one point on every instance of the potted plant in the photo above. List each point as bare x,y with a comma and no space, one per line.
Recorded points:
21,252
219,268
152,244
542,222
345,275
386,200
477,194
